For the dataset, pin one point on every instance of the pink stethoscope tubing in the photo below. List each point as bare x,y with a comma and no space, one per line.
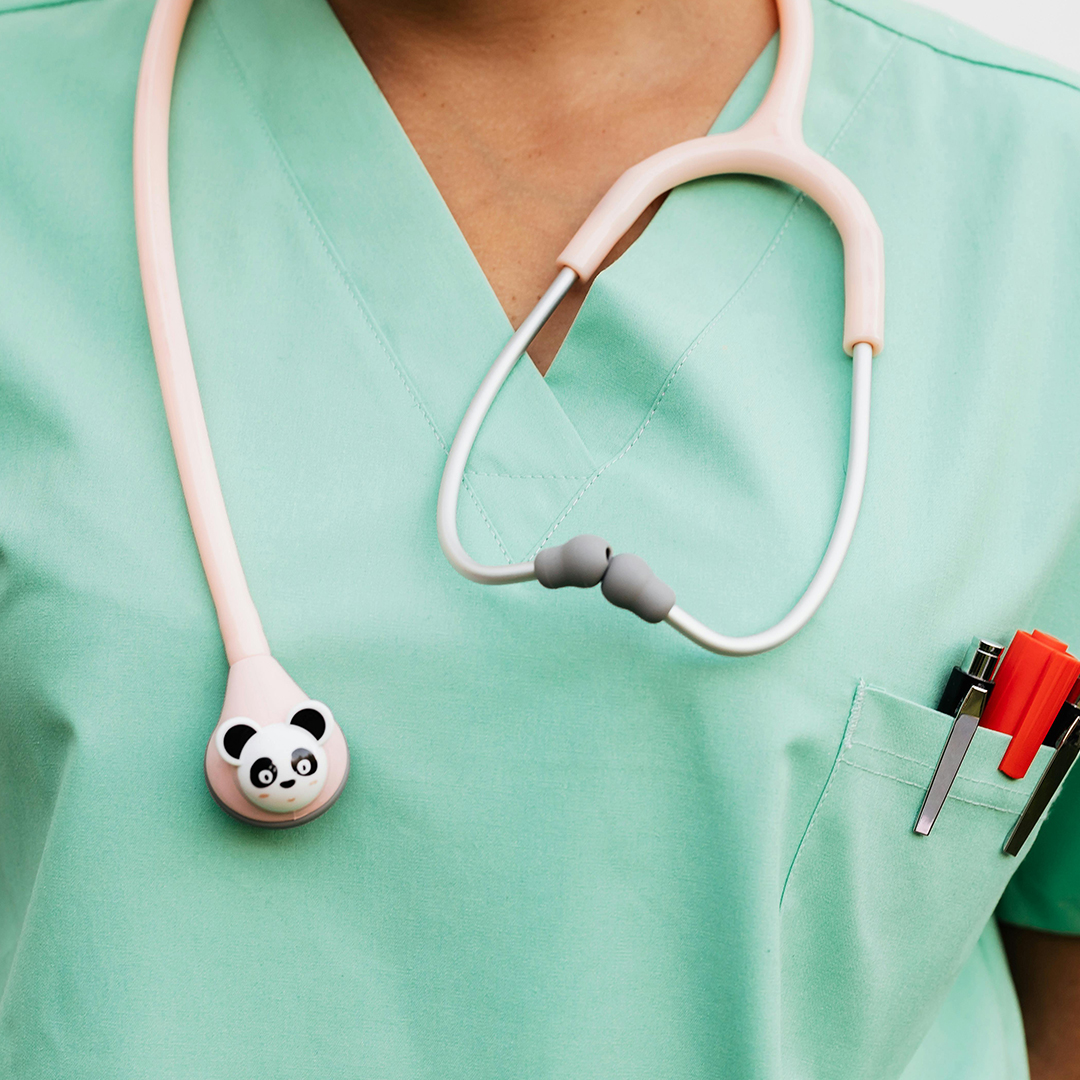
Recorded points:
769,144
241,628
258,689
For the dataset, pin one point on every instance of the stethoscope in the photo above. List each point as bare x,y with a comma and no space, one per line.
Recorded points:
277,758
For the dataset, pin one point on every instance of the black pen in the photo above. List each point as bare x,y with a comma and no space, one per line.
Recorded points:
1064,737
964,698
1068,712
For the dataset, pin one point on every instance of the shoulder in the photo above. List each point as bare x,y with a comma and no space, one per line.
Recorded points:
955,51
68,72
12,7
93,30
61,56
960,136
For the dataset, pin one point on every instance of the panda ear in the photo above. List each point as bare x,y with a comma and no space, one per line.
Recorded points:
232,736
314,717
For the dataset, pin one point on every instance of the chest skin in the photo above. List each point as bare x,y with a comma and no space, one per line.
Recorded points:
524,115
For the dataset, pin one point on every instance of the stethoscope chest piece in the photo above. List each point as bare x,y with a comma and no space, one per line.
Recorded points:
277,758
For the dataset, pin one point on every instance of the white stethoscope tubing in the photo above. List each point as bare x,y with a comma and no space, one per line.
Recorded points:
770,144
685,623
835,553
469,428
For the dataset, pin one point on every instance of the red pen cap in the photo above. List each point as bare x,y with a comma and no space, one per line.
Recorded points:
1033,680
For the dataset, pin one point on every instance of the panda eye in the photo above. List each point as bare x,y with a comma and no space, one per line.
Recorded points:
263,772
303,762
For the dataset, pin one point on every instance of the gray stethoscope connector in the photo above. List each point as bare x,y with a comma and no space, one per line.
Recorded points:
625,580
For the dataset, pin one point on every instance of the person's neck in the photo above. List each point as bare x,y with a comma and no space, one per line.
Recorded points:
525,111
553,37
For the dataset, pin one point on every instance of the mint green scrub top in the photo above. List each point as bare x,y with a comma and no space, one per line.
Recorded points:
572,845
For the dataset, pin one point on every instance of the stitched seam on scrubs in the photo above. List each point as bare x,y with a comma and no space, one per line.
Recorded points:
854,715
335,261
673,374
962,57
524,476
38,7
929,766
20,939
715,320
912,783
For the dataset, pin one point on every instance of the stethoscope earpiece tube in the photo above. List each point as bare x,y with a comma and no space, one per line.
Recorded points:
835,553
458,456
769,144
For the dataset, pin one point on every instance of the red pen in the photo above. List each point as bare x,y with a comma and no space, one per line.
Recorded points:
1033,682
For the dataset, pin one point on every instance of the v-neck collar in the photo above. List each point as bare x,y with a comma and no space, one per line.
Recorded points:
390,235
386,228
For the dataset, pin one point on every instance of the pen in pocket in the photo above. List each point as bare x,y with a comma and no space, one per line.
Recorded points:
1067,714
1033,682
1064,736
964,698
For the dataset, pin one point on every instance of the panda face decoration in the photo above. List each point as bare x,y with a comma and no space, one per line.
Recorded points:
279,767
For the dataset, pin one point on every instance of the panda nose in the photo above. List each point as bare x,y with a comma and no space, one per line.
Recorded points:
287,783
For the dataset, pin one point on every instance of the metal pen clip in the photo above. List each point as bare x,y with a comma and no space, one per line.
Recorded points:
965,697
1066,749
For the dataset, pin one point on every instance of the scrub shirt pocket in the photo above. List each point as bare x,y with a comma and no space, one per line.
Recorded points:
876,922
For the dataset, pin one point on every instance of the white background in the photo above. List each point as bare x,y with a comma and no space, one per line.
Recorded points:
1048,27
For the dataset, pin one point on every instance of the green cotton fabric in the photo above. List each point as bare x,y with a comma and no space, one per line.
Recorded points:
572,845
